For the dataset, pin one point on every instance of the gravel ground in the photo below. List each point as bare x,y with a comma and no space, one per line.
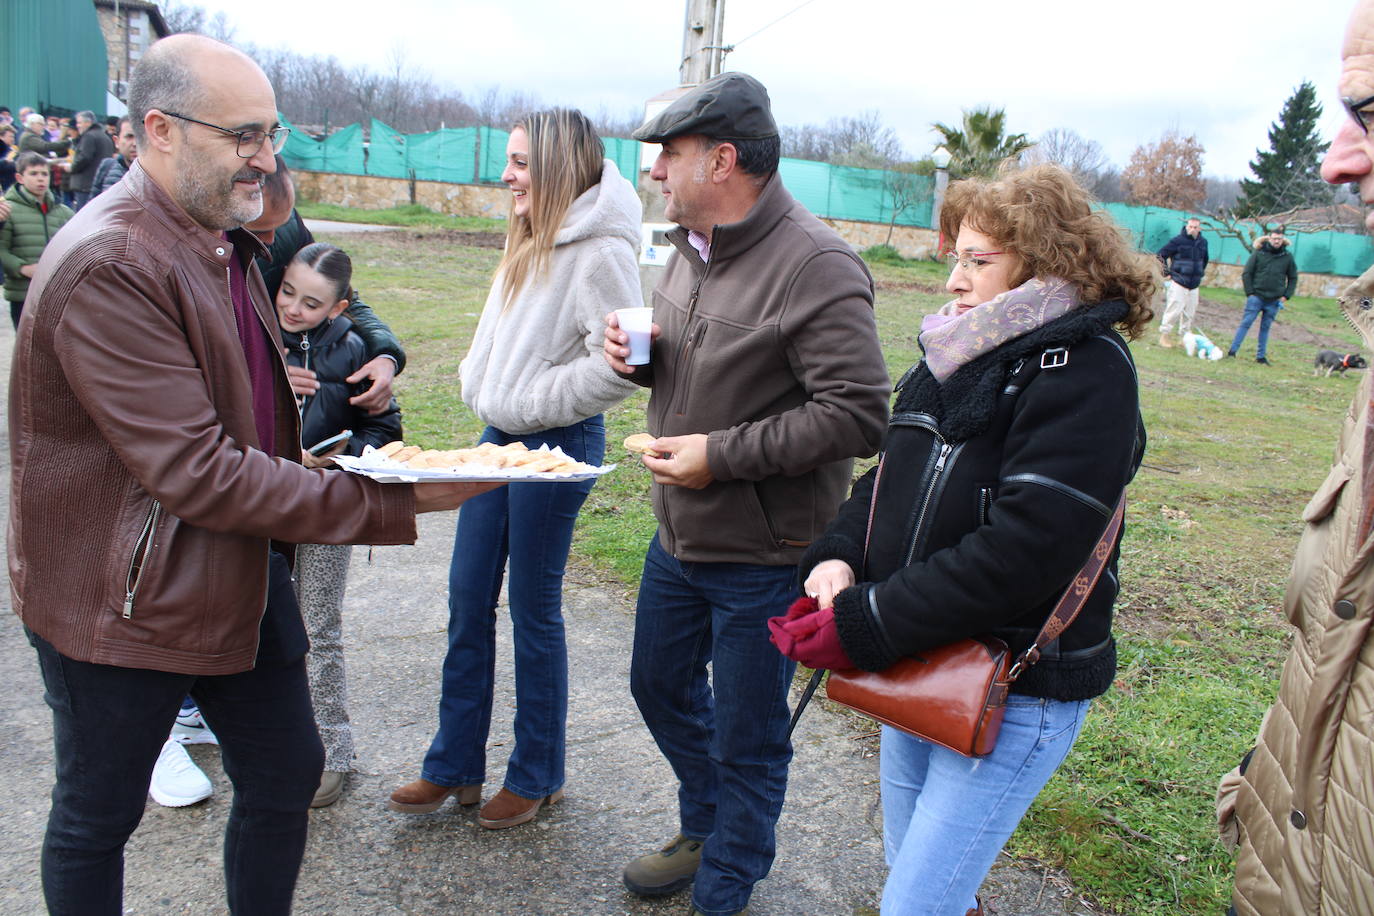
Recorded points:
364,860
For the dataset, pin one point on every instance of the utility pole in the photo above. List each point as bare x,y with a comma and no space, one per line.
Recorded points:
702,45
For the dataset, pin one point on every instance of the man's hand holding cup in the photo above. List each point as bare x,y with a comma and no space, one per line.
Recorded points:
630,334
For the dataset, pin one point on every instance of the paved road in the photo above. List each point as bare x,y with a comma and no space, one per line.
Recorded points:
363,860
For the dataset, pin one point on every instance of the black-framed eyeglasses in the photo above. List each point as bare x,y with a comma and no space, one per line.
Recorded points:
1356,108
250,141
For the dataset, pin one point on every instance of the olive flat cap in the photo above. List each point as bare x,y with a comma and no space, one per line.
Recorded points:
732,106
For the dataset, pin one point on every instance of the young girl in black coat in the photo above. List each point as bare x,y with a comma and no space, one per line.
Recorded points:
310,303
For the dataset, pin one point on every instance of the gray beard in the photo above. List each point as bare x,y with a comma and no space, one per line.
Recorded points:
213,207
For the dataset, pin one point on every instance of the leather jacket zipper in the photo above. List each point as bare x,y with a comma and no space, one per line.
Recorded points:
935,484
138,563
305,358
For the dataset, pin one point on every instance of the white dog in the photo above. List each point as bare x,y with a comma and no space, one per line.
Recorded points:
1197,344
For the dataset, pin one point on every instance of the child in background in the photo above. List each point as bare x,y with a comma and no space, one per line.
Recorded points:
35,217
314,292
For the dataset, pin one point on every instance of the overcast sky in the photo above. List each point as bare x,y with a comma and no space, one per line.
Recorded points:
1116,73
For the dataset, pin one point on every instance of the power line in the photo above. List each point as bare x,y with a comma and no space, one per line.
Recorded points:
771,24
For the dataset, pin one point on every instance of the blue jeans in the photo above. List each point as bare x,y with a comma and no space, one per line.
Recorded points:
1268,310
946,817
728,747
109,724
529,527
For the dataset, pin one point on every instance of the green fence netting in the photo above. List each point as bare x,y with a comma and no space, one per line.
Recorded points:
867,195
477,155
341,152
1343,253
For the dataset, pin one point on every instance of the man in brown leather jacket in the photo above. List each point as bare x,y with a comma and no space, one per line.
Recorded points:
155,452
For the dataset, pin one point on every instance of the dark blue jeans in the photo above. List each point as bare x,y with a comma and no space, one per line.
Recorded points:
727,739
109,725
528,527
1267,310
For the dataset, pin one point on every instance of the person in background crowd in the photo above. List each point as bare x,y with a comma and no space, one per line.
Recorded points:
112,127
53,128
146,352
317,334
1000,472
93,147
284,233
1185,261
34,140
35,217
1270,279
1299,804
108,172
533,374
767,380
9,151
6,118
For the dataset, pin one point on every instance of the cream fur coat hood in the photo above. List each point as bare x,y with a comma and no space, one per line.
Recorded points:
538,364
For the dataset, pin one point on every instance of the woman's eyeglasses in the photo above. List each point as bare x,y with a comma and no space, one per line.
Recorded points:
970,262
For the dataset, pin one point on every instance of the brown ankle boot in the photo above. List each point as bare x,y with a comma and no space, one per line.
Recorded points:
976,911
506,809
423,796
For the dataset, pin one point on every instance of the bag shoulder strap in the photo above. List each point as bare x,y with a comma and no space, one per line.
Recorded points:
1076,595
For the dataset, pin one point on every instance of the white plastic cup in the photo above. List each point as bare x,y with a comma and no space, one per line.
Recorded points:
638,324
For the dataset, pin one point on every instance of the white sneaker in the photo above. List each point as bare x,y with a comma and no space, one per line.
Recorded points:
190,728
177,781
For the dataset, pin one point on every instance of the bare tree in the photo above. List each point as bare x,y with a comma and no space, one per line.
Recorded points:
862,141
1080,157
1166,174
185,17
907,185
1222,194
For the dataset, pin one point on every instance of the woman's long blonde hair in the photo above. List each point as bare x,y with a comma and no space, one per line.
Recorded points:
1044,217
565,160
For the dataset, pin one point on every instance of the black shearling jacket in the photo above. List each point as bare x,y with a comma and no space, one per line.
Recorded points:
992,489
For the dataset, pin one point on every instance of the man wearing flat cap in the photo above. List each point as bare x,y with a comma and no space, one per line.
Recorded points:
767,380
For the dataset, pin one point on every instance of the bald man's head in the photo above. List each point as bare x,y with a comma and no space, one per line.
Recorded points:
179,72
202,112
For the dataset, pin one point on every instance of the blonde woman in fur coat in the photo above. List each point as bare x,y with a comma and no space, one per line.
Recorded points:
534,374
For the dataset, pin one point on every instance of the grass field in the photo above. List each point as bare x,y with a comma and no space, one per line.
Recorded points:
1235,450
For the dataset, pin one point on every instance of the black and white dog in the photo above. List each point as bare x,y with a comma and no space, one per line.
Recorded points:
1332,361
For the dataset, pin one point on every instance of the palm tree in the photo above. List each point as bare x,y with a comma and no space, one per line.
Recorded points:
979,149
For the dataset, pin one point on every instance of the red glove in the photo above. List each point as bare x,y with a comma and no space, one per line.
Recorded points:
808,635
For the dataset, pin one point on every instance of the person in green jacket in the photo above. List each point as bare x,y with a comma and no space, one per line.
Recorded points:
1270,277
35,217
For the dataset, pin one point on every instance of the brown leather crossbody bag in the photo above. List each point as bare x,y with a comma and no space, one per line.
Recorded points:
955,696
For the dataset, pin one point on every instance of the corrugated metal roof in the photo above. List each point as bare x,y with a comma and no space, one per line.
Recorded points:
52,56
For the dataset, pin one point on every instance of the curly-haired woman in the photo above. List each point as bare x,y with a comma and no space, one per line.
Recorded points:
1008,448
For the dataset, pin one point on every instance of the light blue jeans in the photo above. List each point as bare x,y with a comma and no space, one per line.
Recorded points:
946,817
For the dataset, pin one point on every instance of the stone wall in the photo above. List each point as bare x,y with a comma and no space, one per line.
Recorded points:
1318,286
369,192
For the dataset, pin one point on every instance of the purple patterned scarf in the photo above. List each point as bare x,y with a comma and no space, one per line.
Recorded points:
952,338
